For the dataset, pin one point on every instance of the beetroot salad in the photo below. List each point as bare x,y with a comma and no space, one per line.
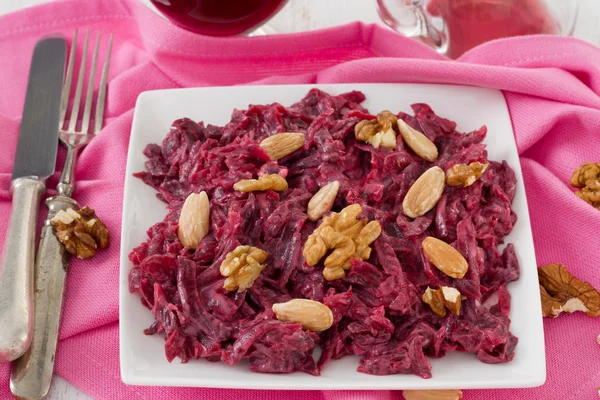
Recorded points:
411,288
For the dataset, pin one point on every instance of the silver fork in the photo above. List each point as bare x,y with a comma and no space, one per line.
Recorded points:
31,374
71,137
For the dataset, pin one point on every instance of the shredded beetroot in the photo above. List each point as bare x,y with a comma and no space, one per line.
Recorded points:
377,307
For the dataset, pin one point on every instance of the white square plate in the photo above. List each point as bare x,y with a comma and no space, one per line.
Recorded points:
143,360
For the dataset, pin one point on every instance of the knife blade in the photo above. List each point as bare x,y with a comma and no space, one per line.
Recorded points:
35,160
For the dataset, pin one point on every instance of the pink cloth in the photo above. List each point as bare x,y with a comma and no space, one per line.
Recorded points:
552,86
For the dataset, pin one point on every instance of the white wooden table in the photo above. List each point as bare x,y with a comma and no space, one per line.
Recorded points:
301,15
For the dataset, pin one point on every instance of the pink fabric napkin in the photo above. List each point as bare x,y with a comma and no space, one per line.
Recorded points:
552,86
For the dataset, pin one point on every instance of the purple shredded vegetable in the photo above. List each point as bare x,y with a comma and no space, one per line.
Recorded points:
377,307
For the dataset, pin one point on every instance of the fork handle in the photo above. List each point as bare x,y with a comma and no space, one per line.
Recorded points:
31,374
66,184
16,268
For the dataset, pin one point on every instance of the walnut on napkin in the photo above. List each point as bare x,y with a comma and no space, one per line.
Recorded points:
563,292
81,232
587,177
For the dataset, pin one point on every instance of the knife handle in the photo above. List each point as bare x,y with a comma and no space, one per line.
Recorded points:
32,373
16,268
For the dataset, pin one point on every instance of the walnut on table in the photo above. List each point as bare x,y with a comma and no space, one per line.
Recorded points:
587,178
81,232
563,292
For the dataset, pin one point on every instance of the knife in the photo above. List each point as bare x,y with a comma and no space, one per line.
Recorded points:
35,161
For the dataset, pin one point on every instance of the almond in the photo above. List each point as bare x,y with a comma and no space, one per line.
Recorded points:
282,144
450,394
424,194
418,142
313,316
322,201
194,220
445,257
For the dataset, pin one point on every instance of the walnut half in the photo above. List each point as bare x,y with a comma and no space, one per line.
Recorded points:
242,266
442,298
563,292
81,232
465,175
345,234
587,177
378,132
273,182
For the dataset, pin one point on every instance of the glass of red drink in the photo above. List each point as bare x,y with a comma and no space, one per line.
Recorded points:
219,17
455,26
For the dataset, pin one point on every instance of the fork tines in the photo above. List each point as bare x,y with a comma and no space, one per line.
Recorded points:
87,107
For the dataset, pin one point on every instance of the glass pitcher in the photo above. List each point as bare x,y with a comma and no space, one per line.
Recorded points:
453,27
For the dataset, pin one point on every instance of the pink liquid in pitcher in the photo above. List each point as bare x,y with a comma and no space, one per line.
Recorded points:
472,22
